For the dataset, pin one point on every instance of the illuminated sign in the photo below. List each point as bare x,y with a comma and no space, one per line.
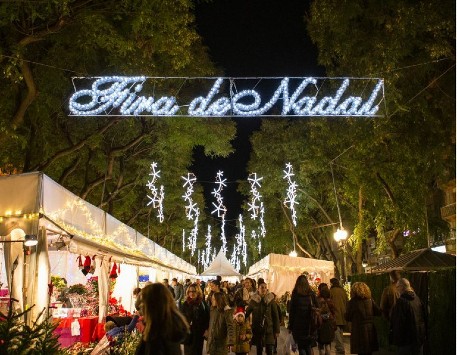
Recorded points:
121,96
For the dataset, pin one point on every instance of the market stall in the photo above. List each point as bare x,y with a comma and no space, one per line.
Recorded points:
94,253
281,271
221,267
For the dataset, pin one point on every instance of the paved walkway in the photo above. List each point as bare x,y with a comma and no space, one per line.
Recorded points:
282,346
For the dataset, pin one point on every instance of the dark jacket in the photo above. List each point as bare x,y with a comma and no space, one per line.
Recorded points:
178,293
242,346
221,331
264,312
300,318
326,332
165,346
388,298
361,312
119,331
197,314
408,321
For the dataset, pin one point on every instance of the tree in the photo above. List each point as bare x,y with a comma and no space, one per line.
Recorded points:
386,168
104,160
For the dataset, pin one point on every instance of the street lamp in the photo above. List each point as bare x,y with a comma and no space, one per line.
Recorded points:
19,236
341,234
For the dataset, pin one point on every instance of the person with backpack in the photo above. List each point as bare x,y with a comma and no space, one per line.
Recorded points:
326,332
301,321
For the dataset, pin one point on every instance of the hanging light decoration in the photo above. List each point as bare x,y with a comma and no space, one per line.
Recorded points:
158,195
221,210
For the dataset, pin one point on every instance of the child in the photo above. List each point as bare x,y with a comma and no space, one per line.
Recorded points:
243,333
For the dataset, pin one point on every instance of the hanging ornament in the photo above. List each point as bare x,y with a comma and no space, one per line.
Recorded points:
86,266
80,262
92,265
113,273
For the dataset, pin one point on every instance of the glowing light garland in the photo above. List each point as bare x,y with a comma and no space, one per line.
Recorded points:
121,94
253,207
240,247
257,210
157,195
192,211
290,201
221,210
206,253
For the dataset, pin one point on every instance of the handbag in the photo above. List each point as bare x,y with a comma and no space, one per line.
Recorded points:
316,318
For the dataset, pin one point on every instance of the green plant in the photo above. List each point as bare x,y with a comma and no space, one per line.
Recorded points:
78,289
126,344
16,337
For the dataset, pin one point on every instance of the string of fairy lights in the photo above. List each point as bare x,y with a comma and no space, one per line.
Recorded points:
239,255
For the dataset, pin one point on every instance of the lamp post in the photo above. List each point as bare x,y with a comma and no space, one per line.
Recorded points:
340,237
341,234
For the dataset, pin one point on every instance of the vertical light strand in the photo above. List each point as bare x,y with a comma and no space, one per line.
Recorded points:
158,195
290,200
221,210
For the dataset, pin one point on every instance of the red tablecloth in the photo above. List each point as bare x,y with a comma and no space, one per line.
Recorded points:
88,329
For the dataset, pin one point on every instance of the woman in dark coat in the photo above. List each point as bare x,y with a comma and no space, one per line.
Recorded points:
265,319
408,320
221,332
301,304
165,327
361,311
197,314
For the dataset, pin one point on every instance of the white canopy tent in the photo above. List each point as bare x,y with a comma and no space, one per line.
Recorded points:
281,271
220,266
38,205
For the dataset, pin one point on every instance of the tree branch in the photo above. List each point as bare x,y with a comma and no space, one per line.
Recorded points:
18,118
109,170
67,151
292,230
386,188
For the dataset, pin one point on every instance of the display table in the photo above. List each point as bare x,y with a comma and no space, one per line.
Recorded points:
88,329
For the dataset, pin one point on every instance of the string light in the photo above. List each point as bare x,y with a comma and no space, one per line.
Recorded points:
221,210
157,195
255,195
290,200
117,92
192,211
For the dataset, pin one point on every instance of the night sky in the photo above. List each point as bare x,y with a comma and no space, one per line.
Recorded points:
250,38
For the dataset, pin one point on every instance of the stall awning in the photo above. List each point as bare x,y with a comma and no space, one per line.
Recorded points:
418,260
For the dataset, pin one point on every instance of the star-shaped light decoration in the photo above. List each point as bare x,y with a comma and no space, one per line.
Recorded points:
158,195
290,200
220,209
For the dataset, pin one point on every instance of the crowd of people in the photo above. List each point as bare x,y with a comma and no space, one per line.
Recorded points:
234,318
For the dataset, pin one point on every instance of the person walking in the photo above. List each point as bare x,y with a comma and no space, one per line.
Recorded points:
243,294
178,291
326,332
360,312
265,319
221,332
390,294
339,298
159,308
196,312
300,316
408,321
243,333
167,285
